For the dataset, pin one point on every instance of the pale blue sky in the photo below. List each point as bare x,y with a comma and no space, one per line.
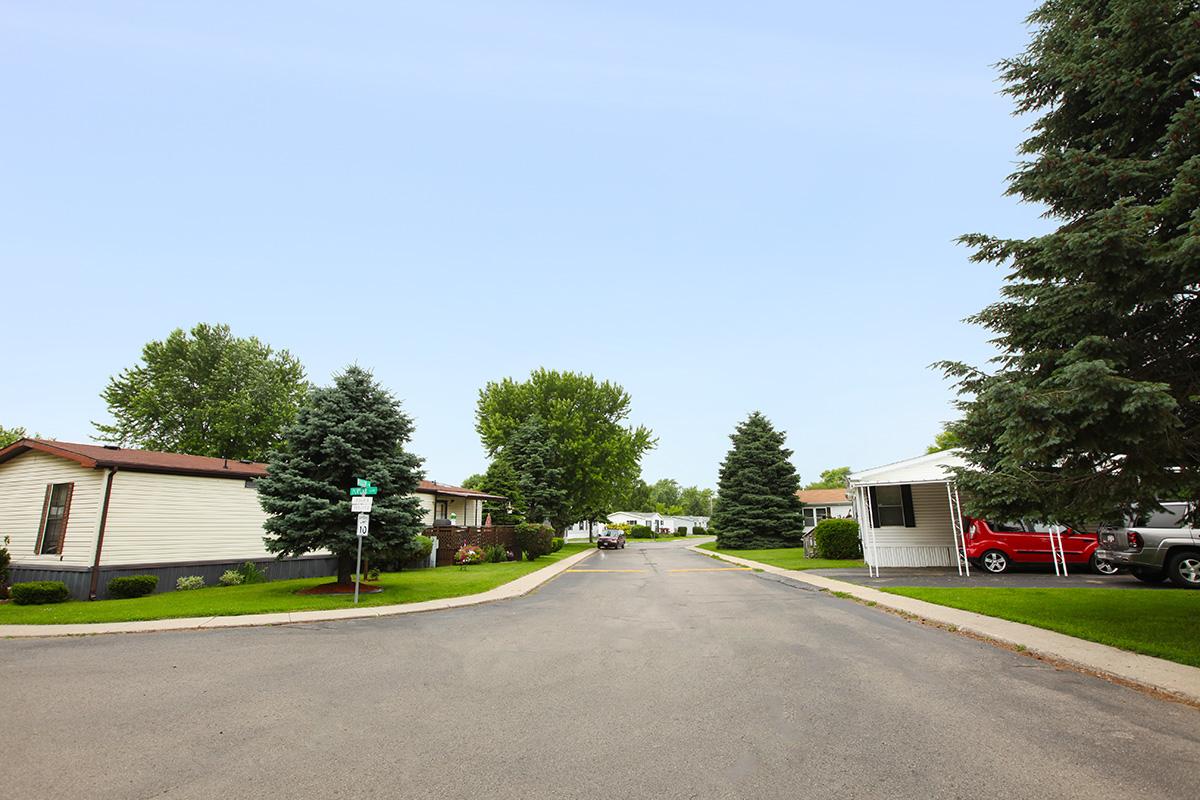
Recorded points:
721,206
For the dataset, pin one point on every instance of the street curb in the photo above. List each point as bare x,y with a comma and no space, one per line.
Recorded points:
514,588
1177,680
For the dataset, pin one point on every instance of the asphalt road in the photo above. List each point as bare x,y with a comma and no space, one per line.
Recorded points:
1025,578
651,683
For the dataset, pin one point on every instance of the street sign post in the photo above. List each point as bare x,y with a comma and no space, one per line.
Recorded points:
361,500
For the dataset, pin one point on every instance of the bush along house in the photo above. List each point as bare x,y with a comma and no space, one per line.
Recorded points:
86,513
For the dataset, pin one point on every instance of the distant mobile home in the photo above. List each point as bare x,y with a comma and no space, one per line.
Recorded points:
86,513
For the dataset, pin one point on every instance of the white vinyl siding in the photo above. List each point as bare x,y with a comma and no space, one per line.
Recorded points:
467,511
930,543
23,482
154,517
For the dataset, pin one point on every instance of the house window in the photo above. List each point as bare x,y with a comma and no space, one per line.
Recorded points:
54,521
814,514
889,506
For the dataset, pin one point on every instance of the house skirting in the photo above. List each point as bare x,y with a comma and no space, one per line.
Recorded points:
79,578
912,556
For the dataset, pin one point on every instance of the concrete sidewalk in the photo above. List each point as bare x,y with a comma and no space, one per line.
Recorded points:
515,588
1177,680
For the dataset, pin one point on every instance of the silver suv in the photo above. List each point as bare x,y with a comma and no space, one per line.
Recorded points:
1164,547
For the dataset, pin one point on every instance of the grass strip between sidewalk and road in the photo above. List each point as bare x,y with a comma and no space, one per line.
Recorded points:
412,586
1155,622
785,557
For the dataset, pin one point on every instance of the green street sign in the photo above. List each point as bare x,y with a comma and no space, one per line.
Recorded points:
367,490
362,484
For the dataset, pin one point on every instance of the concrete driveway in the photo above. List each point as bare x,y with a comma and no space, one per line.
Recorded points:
1025,578
643,674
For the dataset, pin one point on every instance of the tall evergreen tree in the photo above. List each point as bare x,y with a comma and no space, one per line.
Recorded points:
539,481
352,429
756,493
1095,403
502,480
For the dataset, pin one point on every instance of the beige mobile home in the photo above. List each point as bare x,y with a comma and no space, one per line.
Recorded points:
85,513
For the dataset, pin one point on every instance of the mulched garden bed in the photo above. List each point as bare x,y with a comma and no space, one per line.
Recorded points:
342,588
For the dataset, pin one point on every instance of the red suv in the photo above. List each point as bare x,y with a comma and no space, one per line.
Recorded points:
997,546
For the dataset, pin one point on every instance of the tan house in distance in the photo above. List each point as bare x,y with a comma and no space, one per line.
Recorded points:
822,504
85,513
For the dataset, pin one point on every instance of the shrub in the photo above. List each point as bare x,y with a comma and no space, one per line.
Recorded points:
373,574
421,548
188,582
495,554
619,526
231,577
556,544
681,530
469,554
129,586
698,531
5,560
251,573
534,540
837,538
36,593
641,532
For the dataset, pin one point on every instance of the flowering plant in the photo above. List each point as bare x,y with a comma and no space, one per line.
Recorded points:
469,554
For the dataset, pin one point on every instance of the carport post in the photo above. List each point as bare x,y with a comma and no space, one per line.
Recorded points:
870,544
957,532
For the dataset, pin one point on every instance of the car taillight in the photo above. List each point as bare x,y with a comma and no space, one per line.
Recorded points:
1135,540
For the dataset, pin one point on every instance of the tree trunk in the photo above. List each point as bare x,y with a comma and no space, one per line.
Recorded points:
345,568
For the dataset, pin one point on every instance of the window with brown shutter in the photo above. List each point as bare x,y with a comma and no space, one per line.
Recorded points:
54,518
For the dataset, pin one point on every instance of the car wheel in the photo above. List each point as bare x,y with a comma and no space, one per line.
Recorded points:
1148,575
1102,567
1184,570
994,562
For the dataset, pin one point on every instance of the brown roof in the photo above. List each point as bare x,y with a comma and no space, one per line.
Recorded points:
822,497
100,456
433,487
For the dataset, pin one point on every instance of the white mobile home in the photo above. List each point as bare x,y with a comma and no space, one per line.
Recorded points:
907,511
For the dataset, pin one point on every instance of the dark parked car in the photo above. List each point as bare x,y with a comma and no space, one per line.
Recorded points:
611,540
1157,546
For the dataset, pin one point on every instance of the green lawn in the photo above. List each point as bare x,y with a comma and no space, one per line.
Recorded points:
1161,622
786,557
261,598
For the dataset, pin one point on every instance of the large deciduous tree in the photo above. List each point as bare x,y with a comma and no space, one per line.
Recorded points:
833,478
352,429
756,494
595,451
10,435
697,502
206,393
1094,403
946,439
